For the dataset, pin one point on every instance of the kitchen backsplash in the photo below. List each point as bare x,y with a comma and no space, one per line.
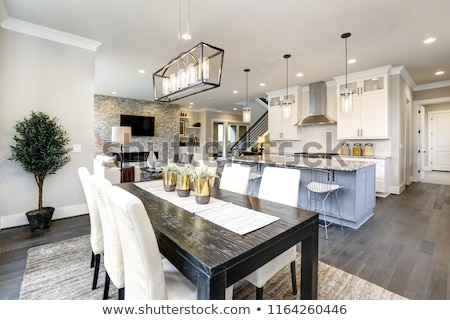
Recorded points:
323,139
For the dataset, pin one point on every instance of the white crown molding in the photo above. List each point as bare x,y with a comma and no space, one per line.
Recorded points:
418,87
405,75
433,85
35,30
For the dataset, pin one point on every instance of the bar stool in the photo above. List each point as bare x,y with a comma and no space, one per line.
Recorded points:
320,185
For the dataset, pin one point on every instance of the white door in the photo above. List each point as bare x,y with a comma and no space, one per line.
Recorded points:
440,140
421,147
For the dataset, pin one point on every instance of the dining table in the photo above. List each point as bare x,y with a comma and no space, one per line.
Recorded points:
214,257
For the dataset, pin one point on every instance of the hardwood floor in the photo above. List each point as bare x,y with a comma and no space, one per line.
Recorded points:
14,243
404,247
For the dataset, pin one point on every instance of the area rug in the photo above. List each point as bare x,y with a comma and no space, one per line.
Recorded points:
60,271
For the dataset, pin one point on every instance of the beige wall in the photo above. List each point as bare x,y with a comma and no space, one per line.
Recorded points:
432,93
57,79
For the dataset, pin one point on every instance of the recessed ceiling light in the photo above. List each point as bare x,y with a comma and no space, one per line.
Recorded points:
114,92
299,74
262,84
351,61
429,40
234,109
438,73
141,71
186,36
235,91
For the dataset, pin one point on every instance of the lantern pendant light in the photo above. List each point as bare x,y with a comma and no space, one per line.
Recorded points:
247,111
346,94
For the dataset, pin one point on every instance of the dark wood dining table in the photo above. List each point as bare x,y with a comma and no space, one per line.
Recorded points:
213,258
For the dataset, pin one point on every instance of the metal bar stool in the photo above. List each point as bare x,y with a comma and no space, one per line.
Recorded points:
320,185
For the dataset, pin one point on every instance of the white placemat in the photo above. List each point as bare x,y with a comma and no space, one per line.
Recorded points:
230,216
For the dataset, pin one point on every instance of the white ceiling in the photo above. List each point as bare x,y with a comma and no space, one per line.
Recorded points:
255,34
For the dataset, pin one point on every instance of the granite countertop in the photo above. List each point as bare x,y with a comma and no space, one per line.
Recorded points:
291,161
367,157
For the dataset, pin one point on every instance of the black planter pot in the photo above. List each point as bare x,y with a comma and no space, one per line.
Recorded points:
40,219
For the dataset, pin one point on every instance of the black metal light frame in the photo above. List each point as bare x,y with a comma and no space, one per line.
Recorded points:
196,55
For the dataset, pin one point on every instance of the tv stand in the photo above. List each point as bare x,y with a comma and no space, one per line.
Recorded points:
134,156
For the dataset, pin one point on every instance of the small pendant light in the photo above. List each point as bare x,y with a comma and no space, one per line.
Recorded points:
247,111
286,103
346,94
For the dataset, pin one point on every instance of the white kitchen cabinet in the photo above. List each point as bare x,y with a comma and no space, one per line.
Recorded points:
369,118
279,127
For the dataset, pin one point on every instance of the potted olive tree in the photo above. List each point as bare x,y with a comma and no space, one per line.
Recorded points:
41,148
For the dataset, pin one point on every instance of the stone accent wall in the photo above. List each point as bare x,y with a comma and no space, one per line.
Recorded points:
107,111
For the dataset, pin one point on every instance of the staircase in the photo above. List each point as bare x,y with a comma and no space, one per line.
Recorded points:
251,136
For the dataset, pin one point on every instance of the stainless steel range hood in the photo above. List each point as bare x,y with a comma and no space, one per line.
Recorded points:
317,106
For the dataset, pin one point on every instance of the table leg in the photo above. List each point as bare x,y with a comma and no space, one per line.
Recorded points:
211,288
309,265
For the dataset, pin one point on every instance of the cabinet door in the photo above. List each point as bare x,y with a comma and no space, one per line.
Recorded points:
348,123
365,190
374,84
275,122
279,127
374,116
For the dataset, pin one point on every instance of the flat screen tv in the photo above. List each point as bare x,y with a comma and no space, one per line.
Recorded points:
140,125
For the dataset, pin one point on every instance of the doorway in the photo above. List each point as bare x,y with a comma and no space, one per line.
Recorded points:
219,146
421,166
421,148
439,138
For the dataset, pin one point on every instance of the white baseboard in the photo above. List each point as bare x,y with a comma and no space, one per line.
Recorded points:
397,189
19,219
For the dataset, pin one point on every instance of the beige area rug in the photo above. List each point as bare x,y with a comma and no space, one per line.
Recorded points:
60,271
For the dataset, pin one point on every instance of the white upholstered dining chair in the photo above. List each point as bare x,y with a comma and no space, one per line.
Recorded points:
279,185
235,177
112,257
147,276
96,236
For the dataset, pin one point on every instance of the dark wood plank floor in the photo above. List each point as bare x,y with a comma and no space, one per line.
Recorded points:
404,247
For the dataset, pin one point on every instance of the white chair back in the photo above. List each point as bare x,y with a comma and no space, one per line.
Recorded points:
113,259
280,185
143,268
146,276
94,217
235,178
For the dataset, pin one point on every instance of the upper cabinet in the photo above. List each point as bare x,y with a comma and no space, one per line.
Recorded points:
369,118
281,128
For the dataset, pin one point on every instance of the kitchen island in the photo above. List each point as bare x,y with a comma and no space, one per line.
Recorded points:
357,198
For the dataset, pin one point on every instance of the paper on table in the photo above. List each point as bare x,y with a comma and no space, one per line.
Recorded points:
230,216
